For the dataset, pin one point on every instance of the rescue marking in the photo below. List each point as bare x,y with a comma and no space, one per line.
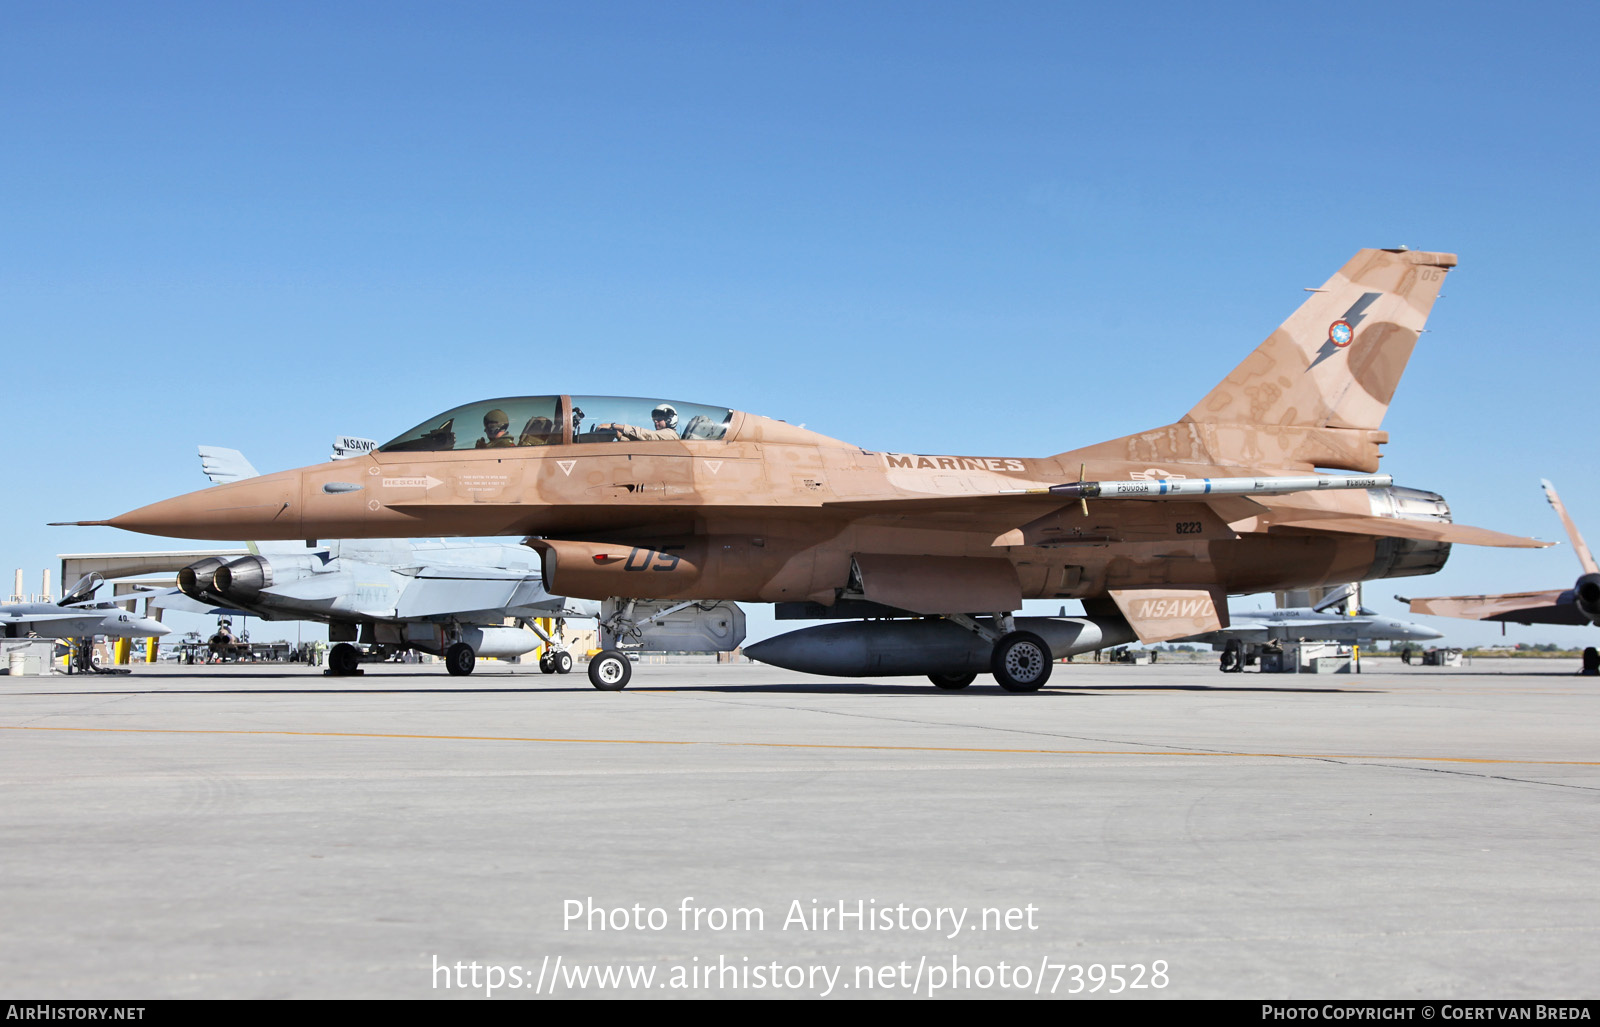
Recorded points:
426,482
566,466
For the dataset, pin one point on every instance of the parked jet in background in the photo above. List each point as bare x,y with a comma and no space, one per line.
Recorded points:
1579,604
642,499
446,598
1253,631
1320,623
77,615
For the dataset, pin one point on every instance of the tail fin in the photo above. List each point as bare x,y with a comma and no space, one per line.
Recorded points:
1335,363
1584,556
225,465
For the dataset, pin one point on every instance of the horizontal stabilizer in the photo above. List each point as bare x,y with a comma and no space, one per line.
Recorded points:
1426,531
1554,606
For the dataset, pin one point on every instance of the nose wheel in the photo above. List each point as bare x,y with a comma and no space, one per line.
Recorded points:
609,671
556,662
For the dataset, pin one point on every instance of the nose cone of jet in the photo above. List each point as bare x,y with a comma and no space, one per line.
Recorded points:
1418,633
146,627
256,508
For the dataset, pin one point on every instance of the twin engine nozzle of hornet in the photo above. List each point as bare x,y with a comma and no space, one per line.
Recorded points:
1586,593
240,580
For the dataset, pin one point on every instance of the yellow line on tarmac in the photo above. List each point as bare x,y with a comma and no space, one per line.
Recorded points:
334,734
808,745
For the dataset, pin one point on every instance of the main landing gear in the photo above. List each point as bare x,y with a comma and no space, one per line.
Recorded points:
344,659
1020,661
459,659
557,661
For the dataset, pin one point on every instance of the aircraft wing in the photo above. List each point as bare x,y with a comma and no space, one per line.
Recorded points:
1555,606
1312,622
1031,519
174,599
67,613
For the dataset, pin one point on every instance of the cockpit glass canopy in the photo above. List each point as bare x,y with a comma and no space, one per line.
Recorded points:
562,420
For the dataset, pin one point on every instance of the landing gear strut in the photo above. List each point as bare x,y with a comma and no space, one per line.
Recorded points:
1021,660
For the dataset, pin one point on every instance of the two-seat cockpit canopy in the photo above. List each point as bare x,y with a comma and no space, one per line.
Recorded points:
560,421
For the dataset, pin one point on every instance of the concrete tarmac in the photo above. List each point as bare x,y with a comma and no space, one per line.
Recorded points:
1154,832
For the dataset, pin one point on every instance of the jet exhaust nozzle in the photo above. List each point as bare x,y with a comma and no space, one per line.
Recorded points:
1586,593
1405,557
195,579
243,579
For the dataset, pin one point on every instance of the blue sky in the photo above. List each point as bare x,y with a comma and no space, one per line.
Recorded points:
1006,228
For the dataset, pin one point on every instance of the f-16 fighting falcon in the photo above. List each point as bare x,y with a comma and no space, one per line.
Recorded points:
924,558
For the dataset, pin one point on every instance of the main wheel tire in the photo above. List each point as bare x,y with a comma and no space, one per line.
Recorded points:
459,659
609,671
952,682
563,662
344,658
1021,662
546,664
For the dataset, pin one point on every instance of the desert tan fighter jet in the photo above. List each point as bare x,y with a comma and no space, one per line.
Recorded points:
1579,604
644,499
